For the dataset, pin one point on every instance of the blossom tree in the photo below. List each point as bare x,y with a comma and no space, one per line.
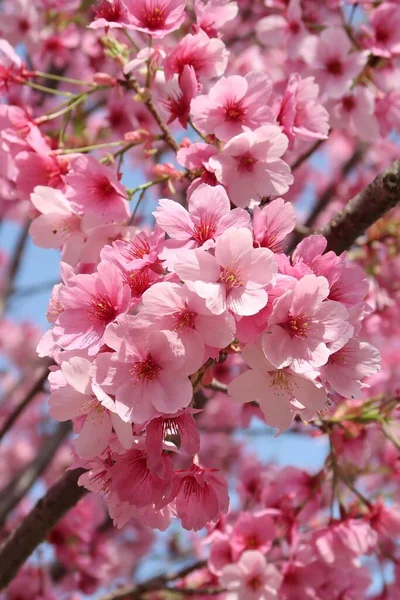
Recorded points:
220,180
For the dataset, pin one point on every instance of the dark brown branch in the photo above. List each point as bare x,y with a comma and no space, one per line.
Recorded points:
306,155
136,592
37,387
11,495
59,499
372,203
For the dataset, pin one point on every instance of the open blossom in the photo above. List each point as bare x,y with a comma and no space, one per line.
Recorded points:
251,578
207,56
90,303
212,16
235,278
281,393
355,112
233,105
273,223
95,189
207,217
333,63
250,166
252,531
156,17
302,323
169,306
110,14
75,400
144,373
382,35
300,113
201,496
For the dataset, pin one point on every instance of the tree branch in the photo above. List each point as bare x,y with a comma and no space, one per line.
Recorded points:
136,592
62,496
11,495
374,201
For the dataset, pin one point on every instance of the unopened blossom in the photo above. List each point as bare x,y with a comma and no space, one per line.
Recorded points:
95,189
300,113
251,578
144,371
272,224
157,18
302,323
333,63
233,105
281,393
235,278
90,303
181,91
250,165
207,217
201,496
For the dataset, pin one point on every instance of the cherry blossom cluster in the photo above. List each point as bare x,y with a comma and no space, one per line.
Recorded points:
170,150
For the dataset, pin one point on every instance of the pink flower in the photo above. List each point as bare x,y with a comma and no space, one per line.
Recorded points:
273,223
289,29
58,225
144,373
383,35
169,306
179,99
208,57
344,542
158,18
207,217
110,14
303,322
280,392
233,105
234,278
75,400
94,189
355,113
300,114
134,482
250,166
251,578
214,15
348,365
90,303
252,531
142,250
336,66
201,495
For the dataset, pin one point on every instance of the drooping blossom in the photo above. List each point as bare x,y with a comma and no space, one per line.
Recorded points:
250,166
233,105
235,278
281,393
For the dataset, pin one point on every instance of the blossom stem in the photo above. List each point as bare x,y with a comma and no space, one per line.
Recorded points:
89,148
62,78
47,90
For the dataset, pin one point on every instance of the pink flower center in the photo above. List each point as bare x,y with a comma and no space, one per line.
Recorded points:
254,583
231,276
138,248
104,188
138,282
335,67
348,103
111,12
101,309
234,111
246,162
145,370
297,326
382,34
252,542
153,17
184,319
204,231
294,27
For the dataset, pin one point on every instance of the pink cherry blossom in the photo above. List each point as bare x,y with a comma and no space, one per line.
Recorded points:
280,392
251,578
90,303
233,105
382,34
252,531
201,496
214,15
303,322
300,113
207,217
144,373
250,166
273,223
110,14
181,95
156,17
95,189
289,29
335,66
355,112
234,278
